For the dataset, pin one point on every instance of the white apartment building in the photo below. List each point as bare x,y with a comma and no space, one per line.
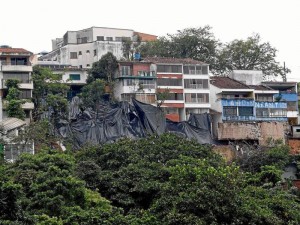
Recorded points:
15,64
82,48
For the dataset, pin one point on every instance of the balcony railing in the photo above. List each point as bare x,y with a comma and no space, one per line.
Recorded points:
237,102
24,84
281,105
141,74
26,67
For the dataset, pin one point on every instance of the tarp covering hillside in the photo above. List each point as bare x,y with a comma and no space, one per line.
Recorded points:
126,120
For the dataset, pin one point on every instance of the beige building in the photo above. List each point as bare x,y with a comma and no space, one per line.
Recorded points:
15,64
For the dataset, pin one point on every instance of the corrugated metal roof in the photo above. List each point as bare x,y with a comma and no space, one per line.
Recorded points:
11,123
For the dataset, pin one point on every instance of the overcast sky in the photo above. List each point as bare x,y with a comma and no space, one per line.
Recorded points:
32,24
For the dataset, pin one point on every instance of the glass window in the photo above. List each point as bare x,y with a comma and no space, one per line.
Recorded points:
229,111
262,112
169,68
74,76
169,82
125,71
109,38
245,111
100,38
73,55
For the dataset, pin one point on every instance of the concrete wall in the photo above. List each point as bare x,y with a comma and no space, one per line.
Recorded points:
252,131
249,77
111,32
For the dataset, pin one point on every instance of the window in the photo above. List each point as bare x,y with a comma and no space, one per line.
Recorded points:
87,51
277,112
128,82
73,55
262,112
22,77
196,83
196,98
25,94
229,111
79,53
84,40
74,76
169,82
147,84
173,96
19,61
87,65
245,111
264,98
100,38
118,38
95,52
169,68
197,70
125,71
298,130
109,38
146,98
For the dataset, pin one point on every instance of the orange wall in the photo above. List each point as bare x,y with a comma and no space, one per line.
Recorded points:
171,90
179,76
173,105
173,117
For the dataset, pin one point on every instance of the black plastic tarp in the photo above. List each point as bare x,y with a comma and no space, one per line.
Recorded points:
125,120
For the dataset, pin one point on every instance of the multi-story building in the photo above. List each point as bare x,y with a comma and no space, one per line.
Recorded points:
246,112
72,76
179,86
137,80
15,64
82,48
287,93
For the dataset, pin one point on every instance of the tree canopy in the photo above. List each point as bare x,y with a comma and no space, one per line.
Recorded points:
201,44
157,180
249,54
103,69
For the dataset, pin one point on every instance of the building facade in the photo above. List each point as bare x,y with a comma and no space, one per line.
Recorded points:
82,48
179,86
242,112
15,64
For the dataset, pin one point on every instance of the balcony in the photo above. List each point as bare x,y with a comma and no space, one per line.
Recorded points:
287,96
8,67
237,102
277,105
140,75
25,84
26,105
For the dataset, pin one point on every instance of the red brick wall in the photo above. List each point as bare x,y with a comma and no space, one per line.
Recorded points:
140,67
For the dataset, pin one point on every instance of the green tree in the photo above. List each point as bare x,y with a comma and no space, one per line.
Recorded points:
249,54
14,106
196,43
49,92
129,47
103,69
92,95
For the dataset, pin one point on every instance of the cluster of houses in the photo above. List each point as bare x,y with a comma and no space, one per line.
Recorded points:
241,105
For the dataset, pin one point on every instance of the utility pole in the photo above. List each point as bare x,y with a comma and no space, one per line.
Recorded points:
284,73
